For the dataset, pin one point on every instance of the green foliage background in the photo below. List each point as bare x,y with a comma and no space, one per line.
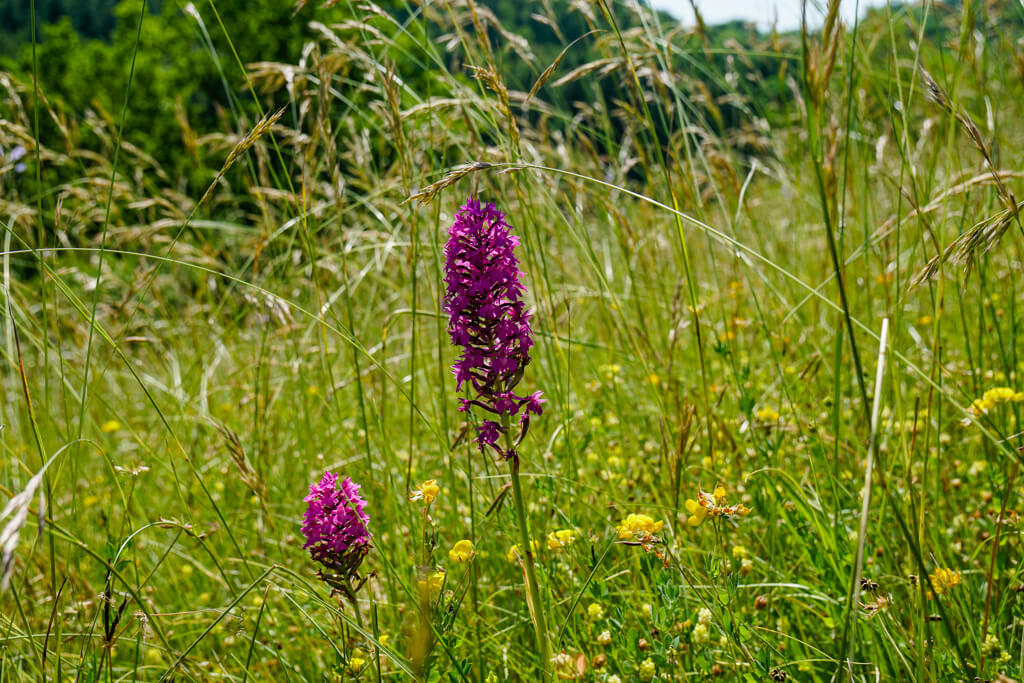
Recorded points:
182,63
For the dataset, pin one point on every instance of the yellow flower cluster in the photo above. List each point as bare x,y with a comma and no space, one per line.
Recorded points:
766,414
563,538
638,528
712,505
993,397
356,662
944,580
426,492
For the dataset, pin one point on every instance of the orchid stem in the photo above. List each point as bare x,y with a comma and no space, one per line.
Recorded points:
532,587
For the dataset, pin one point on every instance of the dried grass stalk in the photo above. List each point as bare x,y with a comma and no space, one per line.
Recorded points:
427,194
984,235
17,509
551,68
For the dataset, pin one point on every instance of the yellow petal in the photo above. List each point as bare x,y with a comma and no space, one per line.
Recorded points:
461,551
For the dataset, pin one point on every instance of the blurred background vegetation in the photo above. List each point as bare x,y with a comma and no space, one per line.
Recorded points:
186,84
183,87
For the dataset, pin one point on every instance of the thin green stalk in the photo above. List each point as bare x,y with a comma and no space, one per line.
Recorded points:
255,633
540,627
532,587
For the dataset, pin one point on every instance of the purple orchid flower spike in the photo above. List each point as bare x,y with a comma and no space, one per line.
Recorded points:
488,319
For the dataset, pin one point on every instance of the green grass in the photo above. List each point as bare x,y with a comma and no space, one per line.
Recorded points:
186,363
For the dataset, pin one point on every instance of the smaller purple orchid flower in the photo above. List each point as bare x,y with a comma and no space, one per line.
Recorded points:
335,527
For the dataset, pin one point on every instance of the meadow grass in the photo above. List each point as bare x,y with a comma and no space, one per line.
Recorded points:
709,303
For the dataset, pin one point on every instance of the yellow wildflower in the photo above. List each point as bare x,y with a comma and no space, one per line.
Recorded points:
641,530
944,580
461,551
432,584
712,505
766,414
110,426
563,538
698,512
638,527
993,397
595,611
515,553
427,492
